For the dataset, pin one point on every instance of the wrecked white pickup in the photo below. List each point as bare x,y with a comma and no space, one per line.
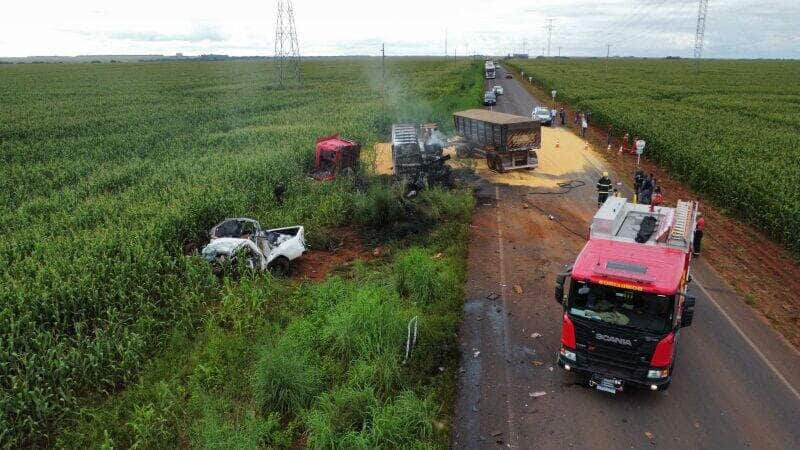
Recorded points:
238,238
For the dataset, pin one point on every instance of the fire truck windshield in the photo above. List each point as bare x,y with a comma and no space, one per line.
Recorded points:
622,307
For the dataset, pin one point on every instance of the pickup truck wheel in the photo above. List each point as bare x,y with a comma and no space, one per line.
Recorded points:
280,266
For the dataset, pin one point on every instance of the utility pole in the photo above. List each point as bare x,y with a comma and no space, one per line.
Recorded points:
285,30
549,34
559,51
608,55
699,36
524,46
383,64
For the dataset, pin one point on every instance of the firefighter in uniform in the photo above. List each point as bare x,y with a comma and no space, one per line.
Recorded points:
603,189
698,233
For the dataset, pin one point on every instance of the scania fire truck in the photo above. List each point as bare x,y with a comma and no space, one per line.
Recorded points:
624,298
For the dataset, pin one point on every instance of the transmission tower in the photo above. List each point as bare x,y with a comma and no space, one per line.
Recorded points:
699,35
549,34
288,59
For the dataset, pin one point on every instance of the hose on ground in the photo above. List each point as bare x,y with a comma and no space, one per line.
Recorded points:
554,219
565,186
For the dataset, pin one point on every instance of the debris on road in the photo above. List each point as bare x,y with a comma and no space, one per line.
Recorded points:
536,335
649,435
476,353
518,289
493,296
537,394
537,362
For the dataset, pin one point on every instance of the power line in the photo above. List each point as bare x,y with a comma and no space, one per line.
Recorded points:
702,11
286,31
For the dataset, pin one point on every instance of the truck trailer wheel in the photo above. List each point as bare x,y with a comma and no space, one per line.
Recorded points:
280,266
498,164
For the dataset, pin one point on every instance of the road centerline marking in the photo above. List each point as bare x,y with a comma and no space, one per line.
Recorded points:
512,433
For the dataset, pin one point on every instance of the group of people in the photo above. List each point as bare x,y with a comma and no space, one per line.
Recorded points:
581,118
648,192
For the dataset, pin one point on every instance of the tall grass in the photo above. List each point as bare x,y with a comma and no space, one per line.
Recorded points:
108,334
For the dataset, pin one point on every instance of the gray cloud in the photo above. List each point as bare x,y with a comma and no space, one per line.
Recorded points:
199,34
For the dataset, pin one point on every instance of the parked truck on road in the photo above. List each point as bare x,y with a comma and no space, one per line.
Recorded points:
625,297
489,69
507,141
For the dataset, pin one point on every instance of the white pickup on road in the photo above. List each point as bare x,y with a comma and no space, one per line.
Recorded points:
263,249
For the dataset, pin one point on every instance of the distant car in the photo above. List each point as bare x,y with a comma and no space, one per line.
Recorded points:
489,98
498,90
543,115
509,76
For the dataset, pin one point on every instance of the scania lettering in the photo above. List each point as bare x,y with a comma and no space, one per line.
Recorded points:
624,299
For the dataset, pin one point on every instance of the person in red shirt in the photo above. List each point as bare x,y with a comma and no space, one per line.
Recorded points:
658,198
698,233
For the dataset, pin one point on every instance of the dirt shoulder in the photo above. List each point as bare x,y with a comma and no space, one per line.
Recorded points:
764,273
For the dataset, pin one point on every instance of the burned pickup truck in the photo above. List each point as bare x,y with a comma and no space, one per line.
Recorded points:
262,250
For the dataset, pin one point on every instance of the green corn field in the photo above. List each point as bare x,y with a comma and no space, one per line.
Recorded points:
730,131
113,172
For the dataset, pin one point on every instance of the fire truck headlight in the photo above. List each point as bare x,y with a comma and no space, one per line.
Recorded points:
657,373
568,354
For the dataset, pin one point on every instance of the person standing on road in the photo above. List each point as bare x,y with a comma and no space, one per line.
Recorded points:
657,199
563,116
553,116
584,125
638,180
698,233
646,192
577,117
609,138
603,189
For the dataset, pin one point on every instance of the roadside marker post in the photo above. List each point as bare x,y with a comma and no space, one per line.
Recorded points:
639,150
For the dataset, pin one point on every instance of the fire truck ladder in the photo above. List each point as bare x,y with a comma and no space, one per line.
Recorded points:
679,235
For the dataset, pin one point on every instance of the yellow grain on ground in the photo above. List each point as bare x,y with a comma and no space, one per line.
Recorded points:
556,164
383,159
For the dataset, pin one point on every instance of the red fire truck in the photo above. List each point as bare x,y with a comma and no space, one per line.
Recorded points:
624,298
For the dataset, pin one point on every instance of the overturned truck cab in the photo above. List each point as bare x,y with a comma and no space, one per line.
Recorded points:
625,298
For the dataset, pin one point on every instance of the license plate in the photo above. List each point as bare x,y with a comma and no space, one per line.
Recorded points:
608,385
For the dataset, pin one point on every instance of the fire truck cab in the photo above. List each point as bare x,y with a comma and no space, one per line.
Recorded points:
624,299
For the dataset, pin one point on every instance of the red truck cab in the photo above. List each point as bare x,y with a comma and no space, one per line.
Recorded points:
624,299
333,155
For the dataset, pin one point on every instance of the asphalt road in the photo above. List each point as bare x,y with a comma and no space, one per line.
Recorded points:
736,381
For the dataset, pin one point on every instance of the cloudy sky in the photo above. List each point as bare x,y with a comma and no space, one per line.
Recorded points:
735,28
